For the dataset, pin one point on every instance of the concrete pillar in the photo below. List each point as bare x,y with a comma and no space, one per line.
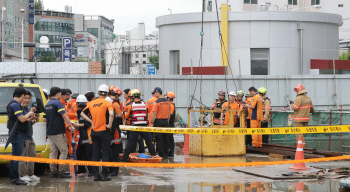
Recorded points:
225,34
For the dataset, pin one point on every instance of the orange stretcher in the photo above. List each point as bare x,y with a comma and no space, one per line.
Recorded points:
134,159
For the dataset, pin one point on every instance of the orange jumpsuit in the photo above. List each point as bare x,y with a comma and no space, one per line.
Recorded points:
256,118
68,133
232,106
149,106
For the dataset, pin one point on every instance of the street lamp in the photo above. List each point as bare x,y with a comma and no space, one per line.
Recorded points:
170,11
22,11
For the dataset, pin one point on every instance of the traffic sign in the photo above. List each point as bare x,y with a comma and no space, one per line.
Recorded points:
67,49
151,70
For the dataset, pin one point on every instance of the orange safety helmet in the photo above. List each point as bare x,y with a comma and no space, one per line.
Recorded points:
170,94
110,88
130,92
117,91
298,87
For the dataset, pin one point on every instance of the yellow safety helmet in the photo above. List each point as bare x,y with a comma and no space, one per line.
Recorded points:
134,93
262,90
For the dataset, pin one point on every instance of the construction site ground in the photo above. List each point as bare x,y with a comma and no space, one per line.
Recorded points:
186,180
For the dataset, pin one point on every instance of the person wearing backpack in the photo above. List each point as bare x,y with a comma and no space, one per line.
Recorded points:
137,113
15,113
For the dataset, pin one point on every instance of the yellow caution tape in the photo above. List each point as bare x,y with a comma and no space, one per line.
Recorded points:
167,165
242,131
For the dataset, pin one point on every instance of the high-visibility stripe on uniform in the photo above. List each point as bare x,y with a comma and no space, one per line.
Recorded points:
301,118
305,107
295,106
267,107
18,112
60,110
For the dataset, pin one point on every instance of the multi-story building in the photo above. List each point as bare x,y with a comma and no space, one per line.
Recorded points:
99,26
340,7
13,19
54,25
86,46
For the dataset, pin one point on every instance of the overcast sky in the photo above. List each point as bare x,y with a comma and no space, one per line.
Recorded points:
127,13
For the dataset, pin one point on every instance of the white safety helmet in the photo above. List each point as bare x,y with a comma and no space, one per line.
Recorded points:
103,88
232,93
108,99
81,99
46,91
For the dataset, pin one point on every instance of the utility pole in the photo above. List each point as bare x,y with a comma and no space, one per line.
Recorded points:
2,32
22,11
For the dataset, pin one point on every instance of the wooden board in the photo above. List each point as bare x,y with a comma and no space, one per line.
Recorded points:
272,173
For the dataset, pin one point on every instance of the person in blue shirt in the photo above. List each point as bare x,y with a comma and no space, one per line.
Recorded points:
55,115
15,113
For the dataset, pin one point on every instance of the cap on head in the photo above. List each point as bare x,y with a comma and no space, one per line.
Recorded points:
64,92
103,88
232,93
157,89
82,99
75,95
152,91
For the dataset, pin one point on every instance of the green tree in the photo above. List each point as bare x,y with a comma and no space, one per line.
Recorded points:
345,56
38,5
155,60
80,60
114,36
47,58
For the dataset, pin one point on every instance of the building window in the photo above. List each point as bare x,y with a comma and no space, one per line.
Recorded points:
315,2
259,61
93,31
250,1
292,2
175,62
144,55
210,6
137,61
340,5
144,62
137,55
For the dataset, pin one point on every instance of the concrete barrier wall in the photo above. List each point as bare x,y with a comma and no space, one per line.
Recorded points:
320,88
44,67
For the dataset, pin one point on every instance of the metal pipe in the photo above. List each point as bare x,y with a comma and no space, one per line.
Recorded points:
301,52
330,123
335,85
240,76
22,40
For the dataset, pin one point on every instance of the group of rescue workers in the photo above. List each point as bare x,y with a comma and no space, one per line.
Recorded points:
257,108
97,119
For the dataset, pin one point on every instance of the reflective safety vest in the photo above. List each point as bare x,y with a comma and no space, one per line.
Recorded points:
219,105
138,113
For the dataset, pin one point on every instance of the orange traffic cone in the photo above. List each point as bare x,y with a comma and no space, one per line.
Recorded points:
299,187
299,155
187,143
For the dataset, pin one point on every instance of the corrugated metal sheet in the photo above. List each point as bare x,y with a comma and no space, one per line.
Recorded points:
320,87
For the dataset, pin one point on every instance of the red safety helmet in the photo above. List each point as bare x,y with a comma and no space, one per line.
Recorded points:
298,87
170,94
117,91
110,88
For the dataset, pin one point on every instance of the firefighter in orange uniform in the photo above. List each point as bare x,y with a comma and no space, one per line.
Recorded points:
230,105
256,115
149,105
266,107
302,108
217,105
73,116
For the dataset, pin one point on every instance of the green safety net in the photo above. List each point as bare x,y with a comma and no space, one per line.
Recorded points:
320,118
